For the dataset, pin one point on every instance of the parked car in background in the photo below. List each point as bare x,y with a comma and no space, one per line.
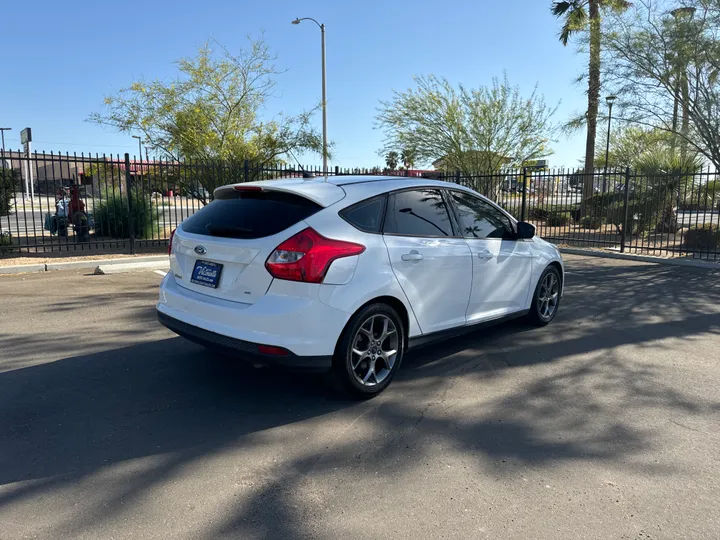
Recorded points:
345,274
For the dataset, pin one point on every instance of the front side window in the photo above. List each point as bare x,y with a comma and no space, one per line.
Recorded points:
479,219
419,212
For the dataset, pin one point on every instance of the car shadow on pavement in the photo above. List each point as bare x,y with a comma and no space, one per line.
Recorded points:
64,421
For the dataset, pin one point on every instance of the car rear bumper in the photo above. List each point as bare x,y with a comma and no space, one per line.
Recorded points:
290,315
245,350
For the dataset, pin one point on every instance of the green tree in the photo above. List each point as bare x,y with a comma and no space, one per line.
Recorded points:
9,182
210,112
664,63
471,130
585,16
629,144
391,160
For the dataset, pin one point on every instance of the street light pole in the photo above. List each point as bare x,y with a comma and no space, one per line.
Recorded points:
610,100
324,88
139,146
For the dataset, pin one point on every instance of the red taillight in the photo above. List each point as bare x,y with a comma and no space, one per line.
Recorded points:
275,351
247,188
307,256
172,233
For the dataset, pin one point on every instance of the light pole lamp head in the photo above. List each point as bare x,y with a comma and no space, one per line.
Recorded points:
683,12
296,21
610,100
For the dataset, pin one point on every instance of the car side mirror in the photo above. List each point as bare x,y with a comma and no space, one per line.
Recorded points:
525,230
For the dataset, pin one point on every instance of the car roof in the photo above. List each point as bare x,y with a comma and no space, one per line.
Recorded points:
358,189
327,190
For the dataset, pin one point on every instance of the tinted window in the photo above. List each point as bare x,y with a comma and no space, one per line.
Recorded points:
250,214
420,212
366,215
479,219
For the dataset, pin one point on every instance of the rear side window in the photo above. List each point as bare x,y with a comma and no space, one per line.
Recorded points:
419,212
365,215
250,214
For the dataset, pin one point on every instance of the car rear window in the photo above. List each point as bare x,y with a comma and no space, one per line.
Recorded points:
250,214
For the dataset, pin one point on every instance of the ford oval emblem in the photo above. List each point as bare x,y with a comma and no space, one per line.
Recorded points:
200,250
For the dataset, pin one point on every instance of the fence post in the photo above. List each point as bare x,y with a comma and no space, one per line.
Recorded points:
337,170
128,185
457,176
523,208
623,232
246,167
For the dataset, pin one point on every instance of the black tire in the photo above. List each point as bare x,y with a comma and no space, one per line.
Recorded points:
538,315
344,375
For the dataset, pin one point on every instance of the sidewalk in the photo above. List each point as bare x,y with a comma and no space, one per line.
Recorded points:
19,265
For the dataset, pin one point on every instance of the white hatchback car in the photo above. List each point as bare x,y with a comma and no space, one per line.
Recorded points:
344,274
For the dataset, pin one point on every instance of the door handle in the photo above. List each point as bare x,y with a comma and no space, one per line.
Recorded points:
412,256
485,255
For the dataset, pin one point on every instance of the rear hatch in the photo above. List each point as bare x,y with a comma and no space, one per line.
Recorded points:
221,250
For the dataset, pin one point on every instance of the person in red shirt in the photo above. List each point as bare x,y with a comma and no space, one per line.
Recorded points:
77,206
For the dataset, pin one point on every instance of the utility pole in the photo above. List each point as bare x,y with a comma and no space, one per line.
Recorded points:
2,133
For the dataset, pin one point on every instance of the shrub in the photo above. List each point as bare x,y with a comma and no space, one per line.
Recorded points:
591,222
558,219
112,217
703,237
599,201
5,240
539,214
9,180
543,213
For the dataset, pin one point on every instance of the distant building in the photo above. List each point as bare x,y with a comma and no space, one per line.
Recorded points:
50,172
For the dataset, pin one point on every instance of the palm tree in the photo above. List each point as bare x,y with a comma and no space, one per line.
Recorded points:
579,15
391,160
408,158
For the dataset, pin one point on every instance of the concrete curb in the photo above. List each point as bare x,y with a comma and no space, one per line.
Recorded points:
161,262
104,269
94,263
91,264
688,263
22,268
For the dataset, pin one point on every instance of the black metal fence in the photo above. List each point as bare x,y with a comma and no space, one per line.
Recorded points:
668,214
81,203
75,203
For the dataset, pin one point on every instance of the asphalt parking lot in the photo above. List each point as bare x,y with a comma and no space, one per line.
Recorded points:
604,425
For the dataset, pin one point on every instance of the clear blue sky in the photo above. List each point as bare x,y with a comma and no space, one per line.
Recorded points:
61,58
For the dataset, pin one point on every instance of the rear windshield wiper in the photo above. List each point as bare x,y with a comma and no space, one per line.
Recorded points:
228,231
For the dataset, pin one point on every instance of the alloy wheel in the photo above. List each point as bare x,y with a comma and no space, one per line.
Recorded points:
374,350
548,295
